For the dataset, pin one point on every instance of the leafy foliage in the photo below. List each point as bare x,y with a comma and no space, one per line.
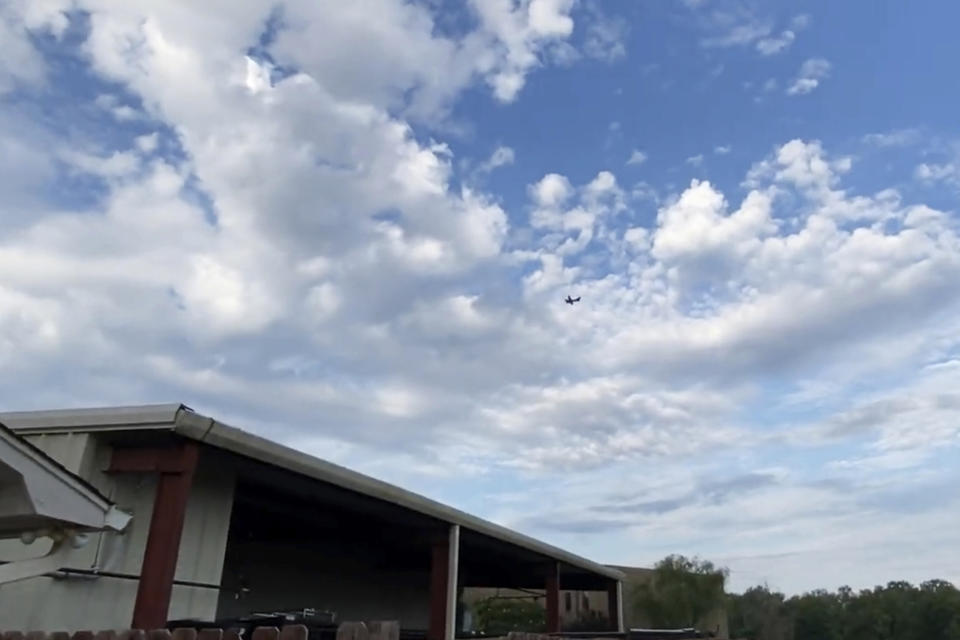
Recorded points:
758,614
499,616
898,611
682,591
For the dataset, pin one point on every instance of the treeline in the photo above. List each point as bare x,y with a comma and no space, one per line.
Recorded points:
683,591
898,611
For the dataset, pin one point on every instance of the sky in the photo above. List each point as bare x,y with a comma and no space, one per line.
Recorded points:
350,227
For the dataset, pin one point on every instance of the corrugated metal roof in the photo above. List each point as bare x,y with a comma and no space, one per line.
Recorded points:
184,421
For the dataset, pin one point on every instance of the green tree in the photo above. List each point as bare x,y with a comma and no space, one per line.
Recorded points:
499,616
897,611
681,591
817,615
759,614
938,610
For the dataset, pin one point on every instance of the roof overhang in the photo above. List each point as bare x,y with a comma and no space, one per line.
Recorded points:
37,494
185,422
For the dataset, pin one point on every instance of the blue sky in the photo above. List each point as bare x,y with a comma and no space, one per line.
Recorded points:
350,227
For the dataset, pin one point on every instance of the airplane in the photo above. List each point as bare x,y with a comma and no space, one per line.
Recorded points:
570,300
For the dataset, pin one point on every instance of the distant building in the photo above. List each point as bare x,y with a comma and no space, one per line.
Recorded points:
580,607
576,607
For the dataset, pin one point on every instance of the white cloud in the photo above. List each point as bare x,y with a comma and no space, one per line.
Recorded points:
583,437
736,27
722,150
147,143
637,157
122,112
811,74
738,34
523,30
586,217
700,241
605,36
895,138
552,190
550,17
695,161
773,45
932,172
778,44
117,164
502,156
307,259
21,63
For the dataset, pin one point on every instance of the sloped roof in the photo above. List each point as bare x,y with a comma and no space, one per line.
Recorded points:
183,421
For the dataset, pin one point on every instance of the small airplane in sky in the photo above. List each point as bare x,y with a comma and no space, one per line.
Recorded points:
570,300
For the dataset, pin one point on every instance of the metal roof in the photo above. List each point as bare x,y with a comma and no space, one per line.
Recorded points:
184,421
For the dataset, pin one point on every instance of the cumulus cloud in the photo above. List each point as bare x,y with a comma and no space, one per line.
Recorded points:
555,212
811,74
279,239
522,30
697,230
21,63
552,190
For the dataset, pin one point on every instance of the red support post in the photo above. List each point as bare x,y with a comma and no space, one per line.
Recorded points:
439,572
175,469
553,597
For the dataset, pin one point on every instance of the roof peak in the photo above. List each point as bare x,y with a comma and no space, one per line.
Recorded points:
129,415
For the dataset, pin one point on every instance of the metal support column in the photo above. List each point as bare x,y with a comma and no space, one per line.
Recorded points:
453,568
444,565
553,597
174,468
615,605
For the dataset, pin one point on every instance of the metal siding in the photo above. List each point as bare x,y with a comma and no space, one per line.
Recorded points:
80,603
204,541
69,449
